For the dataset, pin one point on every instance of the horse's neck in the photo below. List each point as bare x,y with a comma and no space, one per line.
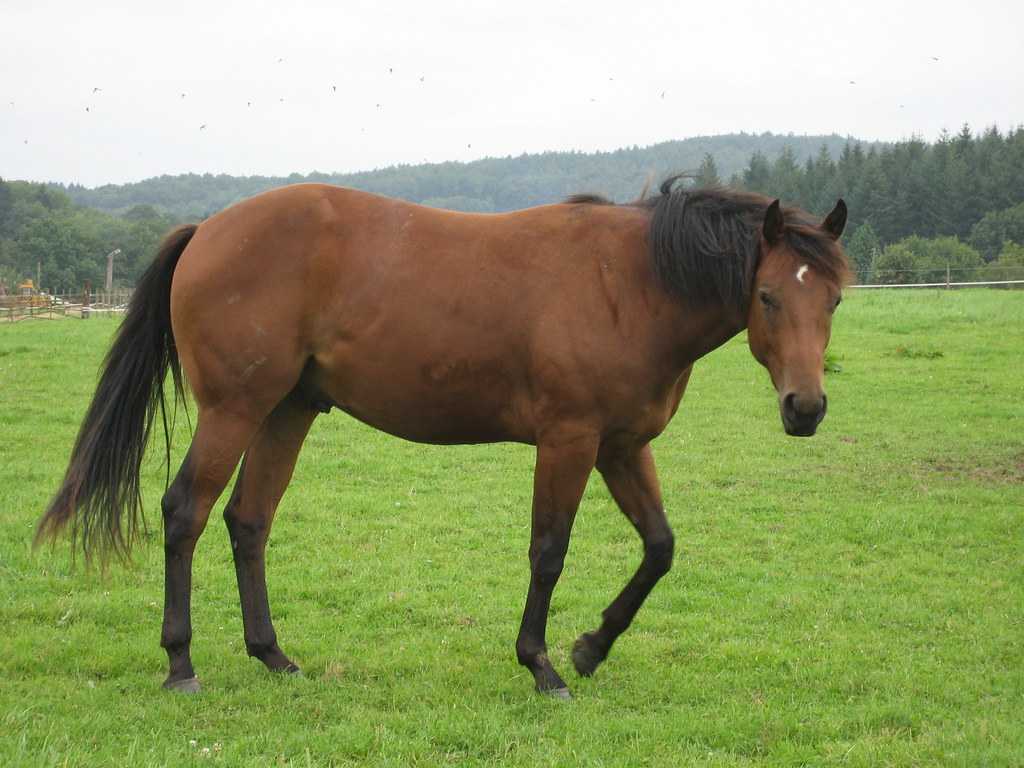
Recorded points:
699,331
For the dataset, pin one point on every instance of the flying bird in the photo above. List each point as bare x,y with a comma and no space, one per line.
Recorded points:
183,95
334,88
852,82
663,94
280,60
281,100
935,58
86,109
421,79
390,70
96,90
248,103
201,127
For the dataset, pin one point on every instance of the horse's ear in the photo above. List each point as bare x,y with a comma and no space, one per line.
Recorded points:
774,224
835,222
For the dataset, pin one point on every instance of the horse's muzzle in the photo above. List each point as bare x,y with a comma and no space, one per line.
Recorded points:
802,415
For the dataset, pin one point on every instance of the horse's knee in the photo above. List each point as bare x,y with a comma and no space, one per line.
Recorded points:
658,555
547,559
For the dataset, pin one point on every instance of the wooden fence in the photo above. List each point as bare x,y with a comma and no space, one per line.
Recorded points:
44,306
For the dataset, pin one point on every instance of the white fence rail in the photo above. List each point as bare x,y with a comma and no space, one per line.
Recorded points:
939,285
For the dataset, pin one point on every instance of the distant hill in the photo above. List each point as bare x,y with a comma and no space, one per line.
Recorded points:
491,184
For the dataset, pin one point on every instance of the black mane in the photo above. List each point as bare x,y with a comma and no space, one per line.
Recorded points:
704,243
587,198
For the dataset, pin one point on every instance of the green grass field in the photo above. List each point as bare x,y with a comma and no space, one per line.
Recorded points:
853,599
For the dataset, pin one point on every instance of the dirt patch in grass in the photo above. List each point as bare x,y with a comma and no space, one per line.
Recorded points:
1011,470
918,353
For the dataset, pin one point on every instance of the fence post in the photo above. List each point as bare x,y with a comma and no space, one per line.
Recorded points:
947,275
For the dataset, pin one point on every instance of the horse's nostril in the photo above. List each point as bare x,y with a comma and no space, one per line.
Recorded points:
789,403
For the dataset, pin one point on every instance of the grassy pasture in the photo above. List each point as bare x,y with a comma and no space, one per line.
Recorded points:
853,599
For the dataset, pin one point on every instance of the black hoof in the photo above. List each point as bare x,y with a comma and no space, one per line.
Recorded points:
188,685
585,654
556,693
273,658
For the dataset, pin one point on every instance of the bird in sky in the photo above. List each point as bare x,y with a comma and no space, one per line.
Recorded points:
935,58
281,100
86,109
280,60
334,88
663,94
421,79
183,95
202,127
853,82
390,70
96,90
248,103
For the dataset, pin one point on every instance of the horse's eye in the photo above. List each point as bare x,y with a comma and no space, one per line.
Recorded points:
839,301
767,300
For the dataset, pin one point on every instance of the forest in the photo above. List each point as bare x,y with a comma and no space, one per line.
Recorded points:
919,211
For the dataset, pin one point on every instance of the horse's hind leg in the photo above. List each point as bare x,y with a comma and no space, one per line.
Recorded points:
218,444
633,483
261,483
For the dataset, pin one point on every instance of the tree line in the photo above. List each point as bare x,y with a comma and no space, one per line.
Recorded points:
918,211
490,184
61,246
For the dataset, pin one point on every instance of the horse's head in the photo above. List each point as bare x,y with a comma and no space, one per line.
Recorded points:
796,289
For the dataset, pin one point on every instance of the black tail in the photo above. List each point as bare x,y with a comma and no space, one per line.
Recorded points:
101,486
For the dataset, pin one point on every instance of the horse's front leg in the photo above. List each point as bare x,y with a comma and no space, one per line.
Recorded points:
564,462
633,483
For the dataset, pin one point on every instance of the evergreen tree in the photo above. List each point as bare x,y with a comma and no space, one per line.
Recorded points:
757,176
707,174
862,250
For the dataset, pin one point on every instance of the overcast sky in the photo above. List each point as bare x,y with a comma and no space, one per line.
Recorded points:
346,86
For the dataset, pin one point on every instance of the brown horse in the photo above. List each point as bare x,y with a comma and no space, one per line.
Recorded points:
572,327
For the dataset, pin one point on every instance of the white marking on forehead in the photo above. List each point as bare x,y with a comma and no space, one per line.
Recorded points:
800,273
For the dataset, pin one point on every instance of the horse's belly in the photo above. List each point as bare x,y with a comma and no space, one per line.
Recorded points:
442,402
